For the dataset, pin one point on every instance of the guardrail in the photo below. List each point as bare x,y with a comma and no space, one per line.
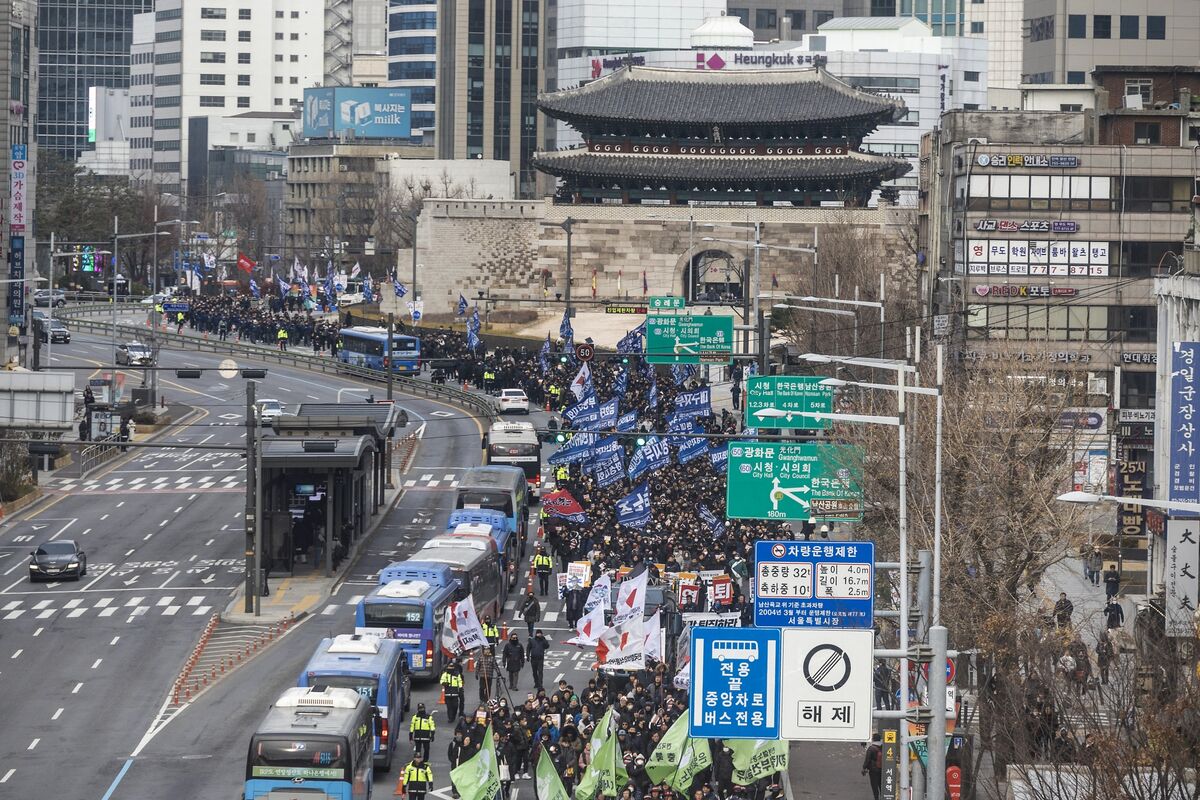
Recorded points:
95,453
313,363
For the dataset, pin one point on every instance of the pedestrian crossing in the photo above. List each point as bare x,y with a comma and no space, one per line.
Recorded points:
431,480
213,481
167,606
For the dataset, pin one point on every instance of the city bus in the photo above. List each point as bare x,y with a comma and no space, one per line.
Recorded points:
365,346
377,669
500,488
476,565
516,444
410,612
493,526
314,742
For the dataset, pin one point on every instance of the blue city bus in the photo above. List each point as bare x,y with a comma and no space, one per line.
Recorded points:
470,522
315,742
377,669
365,346
497,488
411,612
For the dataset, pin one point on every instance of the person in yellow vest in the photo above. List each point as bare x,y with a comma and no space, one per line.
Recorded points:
179,322
452,685
543,565
418,778
282,338
421,731
490,632
562,475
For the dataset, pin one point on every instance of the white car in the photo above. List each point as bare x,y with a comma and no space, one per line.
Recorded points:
513,401
269,411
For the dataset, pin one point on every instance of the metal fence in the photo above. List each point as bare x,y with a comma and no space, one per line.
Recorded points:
94,453
481,406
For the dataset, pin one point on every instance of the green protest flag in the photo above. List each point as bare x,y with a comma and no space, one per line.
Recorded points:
606,772
478,778
601,732
678,757
549,784
696,757
757,758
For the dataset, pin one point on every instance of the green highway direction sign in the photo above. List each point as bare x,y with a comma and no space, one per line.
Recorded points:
775,480
667,303
683,339
772,401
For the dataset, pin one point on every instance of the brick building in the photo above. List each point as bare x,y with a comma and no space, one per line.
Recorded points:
1148,105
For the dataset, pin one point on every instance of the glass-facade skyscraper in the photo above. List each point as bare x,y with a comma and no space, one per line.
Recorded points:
81,43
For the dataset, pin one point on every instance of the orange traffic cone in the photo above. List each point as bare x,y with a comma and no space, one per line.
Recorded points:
503,631
442,699
541,532
471,664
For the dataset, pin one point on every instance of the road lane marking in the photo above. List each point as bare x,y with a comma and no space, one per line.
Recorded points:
108,612
17,654
129,553
33,744
57,714
104,517
78,686
73,603
96,663
62,530
7,775
41,604
114,641
38,632
206,544
86,531
117,780
178,510
146,538
78,612
120,504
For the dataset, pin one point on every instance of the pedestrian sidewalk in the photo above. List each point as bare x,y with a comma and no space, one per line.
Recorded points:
1089,600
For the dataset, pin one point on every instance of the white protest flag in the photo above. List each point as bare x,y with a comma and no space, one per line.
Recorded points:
652,640
621,647
466,624
582,382
601,595
631,600
589,628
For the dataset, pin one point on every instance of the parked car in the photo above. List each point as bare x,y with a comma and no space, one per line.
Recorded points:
53,330
47,297
513,401
135,354
53,560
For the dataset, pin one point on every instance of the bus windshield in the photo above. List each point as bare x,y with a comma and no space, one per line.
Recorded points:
495,501
503,453
394,615
365,685
298,757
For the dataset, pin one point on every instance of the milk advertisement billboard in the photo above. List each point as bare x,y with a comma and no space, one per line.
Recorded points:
373,113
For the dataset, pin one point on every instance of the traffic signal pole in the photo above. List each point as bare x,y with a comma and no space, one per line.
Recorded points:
251,493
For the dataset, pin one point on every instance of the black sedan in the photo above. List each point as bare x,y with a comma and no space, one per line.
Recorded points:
56,560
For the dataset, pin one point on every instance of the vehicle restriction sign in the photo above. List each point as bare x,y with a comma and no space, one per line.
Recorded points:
806,584
825,687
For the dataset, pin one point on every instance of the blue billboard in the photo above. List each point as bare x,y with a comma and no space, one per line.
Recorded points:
369,113
1184,419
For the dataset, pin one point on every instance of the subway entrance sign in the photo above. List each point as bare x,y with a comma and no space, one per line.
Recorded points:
683,339
772,401
774,480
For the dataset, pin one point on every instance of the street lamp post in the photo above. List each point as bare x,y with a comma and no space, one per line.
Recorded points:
117,238
860,303
834,311
567,225
183,223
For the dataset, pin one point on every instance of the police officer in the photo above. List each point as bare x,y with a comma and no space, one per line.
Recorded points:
543,565
452,685
421,730
418,778
282,338
490,632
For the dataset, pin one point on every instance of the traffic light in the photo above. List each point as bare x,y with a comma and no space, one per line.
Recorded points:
641,440
560,437
187,373
624,359
562,358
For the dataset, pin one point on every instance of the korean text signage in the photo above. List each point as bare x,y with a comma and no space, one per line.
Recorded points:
678,339
622,309
773,480
667,303
370,113
1022,291
1027,225
1131,482
1037,257
1184,469
626,146
17,189
734,683
811,585
1026,160
1183,567
772,402
16,241
825,687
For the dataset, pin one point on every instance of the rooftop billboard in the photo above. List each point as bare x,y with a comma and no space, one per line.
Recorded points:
370,113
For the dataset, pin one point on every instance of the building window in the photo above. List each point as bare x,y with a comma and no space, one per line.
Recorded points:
971,77
1156,27
170,58
212,57
212,13
243,36
1147,133
212,101
243,58
279,79
243,13
278,101
210,35
243,102
251,138
294,59
1143,87
742,14
1130,26
243,80
293,80
1102,26
821,17
295,15
295,37
1040,28
212,79
279,57
1076,76
279,36
798,19
911,118
1076,26
168,36
168,15
278,15
765,18
1070,106
976,27
1139,323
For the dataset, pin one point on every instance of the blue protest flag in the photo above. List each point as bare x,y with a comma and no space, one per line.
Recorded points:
462,305
654,454
565,331
696,403
633,510
693,448
627,421
719,456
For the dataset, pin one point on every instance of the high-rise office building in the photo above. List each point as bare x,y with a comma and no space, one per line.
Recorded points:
787,20
489,70
18,93
412,61
81,43
223,71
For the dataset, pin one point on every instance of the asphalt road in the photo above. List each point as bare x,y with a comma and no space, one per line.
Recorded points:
86,666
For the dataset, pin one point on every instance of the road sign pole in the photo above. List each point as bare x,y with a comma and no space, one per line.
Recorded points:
905,777
251,577
938,635
891,763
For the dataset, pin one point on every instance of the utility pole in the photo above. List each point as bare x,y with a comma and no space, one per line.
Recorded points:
251,494
414,262
764,343
390,366
567,224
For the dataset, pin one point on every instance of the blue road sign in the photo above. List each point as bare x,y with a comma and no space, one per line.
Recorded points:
175,308
735,683
806,584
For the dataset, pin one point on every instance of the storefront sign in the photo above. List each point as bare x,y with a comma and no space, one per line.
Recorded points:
1131,482
1037,257
665,149
1027,225
1183,576
1022,291
1056,357
1184,469
1136,415
1139,358
1026,160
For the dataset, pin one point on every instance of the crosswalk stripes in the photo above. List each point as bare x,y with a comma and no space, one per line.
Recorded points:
431,480
163,483
196,605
